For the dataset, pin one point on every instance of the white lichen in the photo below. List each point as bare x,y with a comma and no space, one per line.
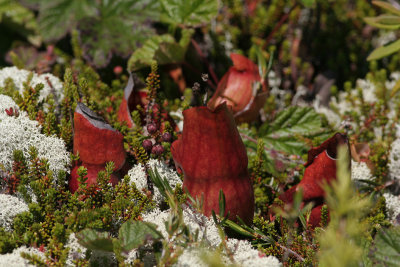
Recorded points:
208,231
368,89
131,257
138,176
191,257
394,160
332,117
392,206
360,171
20,133
76,250
10,206
14,259
20,76
158,217
245,255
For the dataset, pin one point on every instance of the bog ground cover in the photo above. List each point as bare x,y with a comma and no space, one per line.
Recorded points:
199,133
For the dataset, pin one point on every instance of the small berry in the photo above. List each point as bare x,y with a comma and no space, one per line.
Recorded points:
118,70
147,144
151,128
166,137
157,149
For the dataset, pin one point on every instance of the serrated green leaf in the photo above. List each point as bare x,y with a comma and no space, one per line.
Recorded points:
95,240
161,48
132,234
283,133
387,248
388,7
56,18
384,51
190,13
105,27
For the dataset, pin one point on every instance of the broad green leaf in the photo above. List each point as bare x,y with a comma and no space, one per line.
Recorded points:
289,127
161,48
387,248
388,7
56,18
115,23
389,22
105,27
384,51
189,13
95,240
132,234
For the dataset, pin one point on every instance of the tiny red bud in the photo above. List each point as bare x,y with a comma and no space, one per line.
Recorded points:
10,111
118,70
157,149
151,128
167,137
147,144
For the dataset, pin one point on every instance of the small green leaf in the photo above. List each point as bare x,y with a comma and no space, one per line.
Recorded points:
189,13
161,48
56,18
387,247
384,51
389,22
95,240
161,183
221,203
388,7
132,234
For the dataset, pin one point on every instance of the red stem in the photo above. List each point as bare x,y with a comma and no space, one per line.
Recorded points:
278,25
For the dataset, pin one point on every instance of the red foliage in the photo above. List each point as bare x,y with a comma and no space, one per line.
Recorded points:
212,156
97,143
134,95
320,169
236,89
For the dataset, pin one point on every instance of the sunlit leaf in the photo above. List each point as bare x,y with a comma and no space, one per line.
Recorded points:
387,248
95,240
132,234
384,51
161,48
190,13
387,6
389,22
